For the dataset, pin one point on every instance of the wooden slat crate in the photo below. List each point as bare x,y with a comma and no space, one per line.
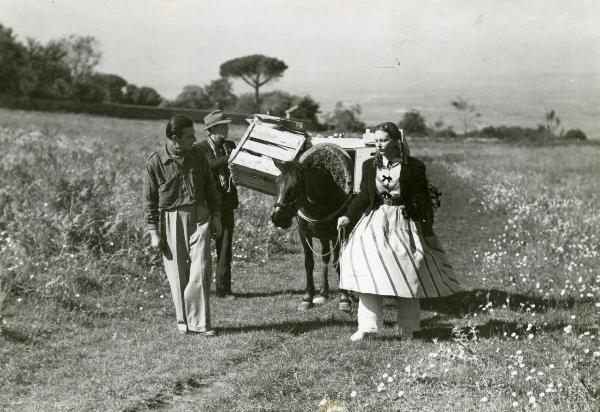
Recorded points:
251,163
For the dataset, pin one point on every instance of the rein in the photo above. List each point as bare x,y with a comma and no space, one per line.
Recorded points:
327,218
339,241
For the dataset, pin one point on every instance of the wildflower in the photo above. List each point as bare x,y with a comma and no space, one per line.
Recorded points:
390,379
380,387
568,329
515,404
407,369
532,400
484,399
400,394
352,394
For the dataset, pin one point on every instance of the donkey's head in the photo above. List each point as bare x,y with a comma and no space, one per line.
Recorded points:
291,193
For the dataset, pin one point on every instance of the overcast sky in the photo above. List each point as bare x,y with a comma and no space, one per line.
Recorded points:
329,45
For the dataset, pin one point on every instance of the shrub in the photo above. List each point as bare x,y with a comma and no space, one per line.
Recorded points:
345,119
575,134
515,133
413,123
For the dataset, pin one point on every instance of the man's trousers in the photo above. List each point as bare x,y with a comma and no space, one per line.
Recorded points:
186,235
224,253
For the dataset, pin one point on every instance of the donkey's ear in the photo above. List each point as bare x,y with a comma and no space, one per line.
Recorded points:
279,164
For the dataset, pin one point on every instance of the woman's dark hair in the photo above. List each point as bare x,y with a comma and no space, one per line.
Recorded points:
391,129
394,132
176,124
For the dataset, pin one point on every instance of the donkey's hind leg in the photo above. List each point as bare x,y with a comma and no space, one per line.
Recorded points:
309,265
323,294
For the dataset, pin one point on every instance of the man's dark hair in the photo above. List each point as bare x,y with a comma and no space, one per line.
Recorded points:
176,124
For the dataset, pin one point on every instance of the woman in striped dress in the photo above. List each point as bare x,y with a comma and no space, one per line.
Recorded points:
392,250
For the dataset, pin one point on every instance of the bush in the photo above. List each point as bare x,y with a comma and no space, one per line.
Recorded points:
345,119
447,132
514,133
413,123
575,134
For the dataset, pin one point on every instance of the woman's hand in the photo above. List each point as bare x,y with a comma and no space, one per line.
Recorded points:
216,225
342,222
155,240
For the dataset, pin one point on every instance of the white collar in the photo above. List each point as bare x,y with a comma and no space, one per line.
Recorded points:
386,162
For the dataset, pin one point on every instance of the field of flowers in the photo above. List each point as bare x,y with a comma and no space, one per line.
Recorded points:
85,311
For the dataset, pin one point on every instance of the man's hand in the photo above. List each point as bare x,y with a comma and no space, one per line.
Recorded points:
342,222
216,225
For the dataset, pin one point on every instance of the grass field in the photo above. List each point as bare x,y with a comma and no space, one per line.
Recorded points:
87,320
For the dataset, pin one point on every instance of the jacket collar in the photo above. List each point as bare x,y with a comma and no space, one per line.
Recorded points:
165,156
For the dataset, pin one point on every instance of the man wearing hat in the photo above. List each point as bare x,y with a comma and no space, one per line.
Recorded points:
217,150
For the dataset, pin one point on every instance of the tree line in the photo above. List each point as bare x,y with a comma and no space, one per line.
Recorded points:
65,69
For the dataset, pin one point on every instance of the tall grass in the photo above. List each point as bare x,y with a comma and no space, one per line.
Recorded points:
71,224
85,323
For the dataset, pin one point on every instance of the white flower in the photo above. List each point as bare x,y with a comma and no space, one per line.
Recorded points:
380,387
568,329
407,369
400,394
532,400
484,399
352,394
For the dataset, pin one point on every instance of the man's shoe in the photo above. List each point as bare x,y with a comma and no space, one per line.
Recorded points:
208,333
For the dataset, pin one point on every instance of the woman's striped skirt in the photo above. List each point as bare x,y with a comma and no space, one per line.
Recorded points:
387,254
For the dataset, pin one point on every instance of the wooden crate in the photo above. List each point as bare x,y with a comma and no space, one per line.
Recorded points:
251,162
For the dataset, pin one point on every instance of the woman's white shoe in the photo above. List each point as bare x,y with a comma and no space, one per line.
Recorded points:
360,335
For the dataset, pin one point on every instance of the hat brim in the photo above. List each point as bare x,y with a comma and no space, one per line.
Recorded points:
224,121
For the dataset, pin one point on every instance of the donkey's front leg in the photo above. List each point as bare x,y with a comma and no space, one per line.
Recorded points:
323,295
309,266
345,305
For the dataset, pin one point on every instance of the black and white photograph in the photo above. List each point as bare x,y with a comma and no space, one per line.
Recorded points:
302,205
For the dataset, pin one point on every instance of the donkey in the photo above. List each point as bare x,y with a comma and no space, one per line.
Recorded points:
310,194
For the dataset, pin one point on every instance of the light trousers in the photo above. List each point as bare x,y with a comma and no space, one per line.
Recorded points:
188,265
370,313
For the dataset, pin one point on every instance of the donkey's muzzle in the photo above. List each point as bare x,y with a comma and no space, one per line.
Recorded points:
281,218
